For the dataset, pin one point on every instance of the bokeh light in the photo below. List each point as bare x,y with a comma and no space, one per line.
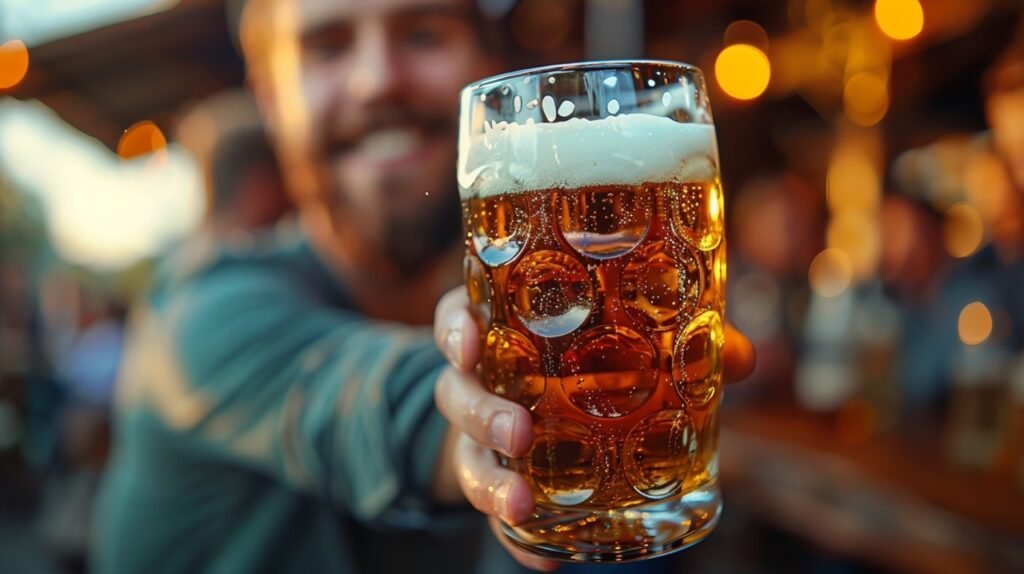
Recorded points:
866,98
962,230
743,71
140,139
975,324
831,272
858,235
853,181
899,19
13,63
746,32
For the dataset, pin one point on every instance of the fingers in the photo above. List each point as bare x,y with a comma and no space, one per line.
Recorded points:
738,356
455,332
488,419
489,487
526,559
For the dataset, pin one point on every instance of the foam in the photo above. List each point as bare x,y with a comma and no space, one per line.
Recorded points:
628,149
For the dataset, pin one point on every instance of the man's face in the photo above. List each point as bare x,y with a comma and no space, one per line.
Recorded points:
378,84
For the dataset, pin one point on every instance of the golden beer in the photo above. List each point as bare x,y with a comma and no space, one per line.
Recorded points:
600,307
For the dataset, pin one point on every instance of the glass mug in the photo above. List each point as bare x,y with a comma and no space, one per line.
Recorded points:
595,266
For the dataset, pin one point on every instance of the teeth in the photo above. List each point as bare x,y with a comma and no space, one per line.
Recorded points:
390,144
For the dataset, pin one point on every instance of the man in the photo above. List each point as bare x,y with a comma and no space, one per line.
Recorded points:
276,411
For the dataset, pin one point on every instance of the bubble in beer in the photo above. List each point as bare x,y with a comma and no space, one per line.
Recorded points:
613,107
478,288
661,284
511,367
659,453
697,361
609,371
551,293
698,212
564,461
499,227
604,222
566,108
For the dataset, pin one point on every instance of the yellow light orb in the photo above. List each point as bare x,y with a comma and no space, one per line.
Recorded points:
962,230
743,71
899,19
831,272
975,324
13,63
865,99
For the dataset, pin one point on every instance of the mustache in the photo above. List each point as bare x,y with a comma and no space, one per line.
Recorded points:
353,131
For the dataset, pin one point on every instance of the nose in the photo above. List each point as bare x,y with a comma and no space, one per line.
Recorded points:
375,75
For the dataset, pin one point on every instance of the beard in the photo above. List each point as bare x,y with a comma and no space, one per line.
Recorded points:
412,239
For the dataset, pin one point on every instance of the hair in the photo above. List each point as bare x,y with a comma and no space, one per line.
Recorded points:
231,159
254,20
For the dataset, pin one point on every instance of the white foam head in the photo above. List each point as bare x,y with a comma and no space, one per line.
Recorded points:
628,149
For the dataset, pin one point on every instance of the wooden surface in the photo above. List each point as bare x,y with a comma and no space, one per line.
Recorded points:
887,500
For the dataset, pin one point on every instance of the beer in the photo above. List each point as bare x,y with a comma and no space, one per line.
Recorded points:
596,275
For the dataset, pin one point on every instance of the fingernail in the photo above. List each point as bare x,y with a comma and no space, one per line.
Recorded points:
453,343
501,430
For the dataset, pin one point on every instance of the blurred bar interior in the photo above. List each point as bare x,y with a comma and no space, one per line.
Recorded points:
873,156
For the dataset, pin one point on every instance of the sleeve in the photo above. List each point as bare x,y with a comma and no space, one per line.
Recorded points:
321,399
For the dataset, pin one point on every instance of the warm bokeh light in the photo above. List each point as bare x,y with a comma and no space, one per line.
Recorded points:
975,324
13,63
142,138
899,19
746,32
743,71
858,235
853,181
831,272
962,230
866,98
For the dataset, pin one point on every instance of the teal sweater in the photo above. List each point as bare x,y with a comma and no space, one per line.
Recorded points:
263,425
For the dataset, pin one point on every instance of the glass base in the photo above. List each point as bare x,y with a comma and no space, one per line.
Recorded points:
621,535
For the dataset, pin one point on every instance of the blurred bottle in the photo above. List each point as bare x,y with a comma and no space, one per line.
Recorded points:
979,416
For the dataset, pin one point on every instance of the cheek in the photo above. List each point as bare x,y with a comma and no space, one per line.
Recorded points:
440,77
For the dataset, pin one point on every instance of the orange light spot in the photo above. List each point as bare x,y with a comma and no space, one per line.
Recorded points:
962,230
743,71
975,324
140,139
13,63
899,19
866,98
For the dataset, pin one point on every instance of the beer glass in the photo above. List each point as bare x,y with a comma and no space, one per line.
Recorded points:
595,267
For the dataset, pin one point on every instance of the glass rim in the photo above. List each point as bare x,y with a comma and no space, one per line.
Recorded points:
579,66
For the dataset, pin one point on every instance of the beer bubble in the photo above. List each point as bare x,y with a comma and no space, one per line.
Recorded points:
500,226
517,103
659,453
605,222
564,461
697,360
698,209
566,108
609,371
666,99
613,106
661,284
532,104
551,293
611,81
511,367
478,288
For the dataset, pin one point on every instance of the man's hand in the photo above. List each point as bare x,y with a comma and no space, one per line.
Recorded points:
482,422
